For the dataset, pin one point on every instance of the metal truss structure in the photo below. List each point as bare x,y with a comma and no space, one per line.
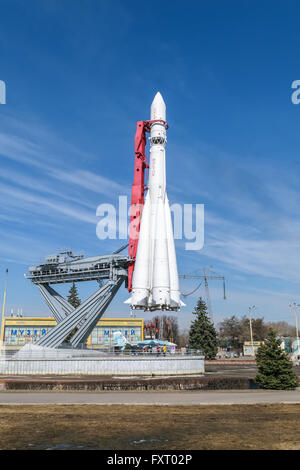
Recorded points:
65,267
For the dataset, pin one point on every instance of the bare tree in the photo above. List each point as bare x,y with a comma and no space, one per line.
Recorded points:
282,328
183,338
169,328
235,331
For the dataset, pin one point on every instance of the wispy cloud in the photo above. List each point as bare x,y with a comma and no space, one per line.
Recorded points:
50,188
53,156
38,184
90,181
42,205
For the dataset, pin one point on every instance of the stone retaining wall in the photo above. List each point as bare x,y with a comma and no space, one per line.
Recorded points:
138,384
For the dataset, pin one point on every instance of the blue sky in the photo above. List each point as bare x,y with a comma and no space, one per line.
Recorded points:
80,74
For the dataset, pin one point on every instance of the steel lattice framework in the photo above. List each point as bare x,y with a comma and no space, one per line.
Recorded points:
65,267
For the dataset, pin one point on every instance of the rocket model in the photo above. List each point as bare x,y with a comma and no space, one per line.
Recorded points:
155,283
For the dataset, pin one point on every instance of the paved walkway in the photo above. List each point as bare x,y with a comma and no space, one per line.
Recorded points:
150,398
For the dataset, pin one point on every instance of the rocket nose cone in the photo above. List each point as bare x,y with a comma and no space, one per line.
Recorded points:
158,108
158,97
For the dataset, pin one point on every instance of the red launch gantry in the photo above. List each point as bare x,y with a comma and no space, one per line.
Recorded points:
137,192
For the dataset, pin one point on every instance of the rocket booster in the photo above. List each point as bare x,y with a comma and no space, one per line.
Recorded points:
155,283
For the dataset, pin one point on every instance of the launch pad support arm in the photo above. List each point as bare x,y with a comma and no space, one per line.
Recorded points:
137,196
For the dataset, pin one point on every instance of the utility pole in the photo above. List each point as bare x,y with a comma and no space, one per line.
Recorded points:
132,313
161,327
205,272
206,276
251,332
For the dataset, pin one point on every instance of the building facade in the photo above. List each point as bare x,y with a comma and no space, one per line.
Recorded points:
18,331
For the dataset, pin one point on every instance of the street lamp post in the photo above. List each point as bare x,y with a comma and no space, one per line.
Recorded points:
3,314
294,307
251,332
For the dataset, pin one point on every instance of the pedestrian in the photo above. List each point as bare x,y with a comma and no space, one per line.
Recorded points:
158,350
164,349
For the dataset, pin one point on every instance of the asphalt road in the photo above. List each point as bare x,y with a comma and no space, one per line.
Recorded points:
150,398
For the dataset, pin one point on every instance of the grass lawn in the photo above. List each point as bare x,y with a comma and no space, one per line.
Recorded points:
150,427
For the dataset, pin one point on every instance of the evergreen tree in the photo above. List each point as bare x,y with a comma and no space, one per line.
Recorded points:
274,366
202,333
75,301
73,298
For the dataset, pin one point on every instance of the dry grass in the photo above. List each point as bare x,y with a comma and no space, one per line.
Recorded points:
150,427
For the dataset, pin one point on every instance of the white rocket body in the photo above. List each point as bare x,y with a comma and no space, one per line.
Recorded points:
155,283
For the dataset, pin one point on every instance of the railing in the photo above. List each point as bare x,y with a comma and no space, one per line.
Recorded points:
62,353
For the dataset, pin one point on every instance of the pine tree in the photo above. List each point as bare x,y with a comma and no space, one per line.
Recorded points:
274,366
75,301
73,298
202,333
